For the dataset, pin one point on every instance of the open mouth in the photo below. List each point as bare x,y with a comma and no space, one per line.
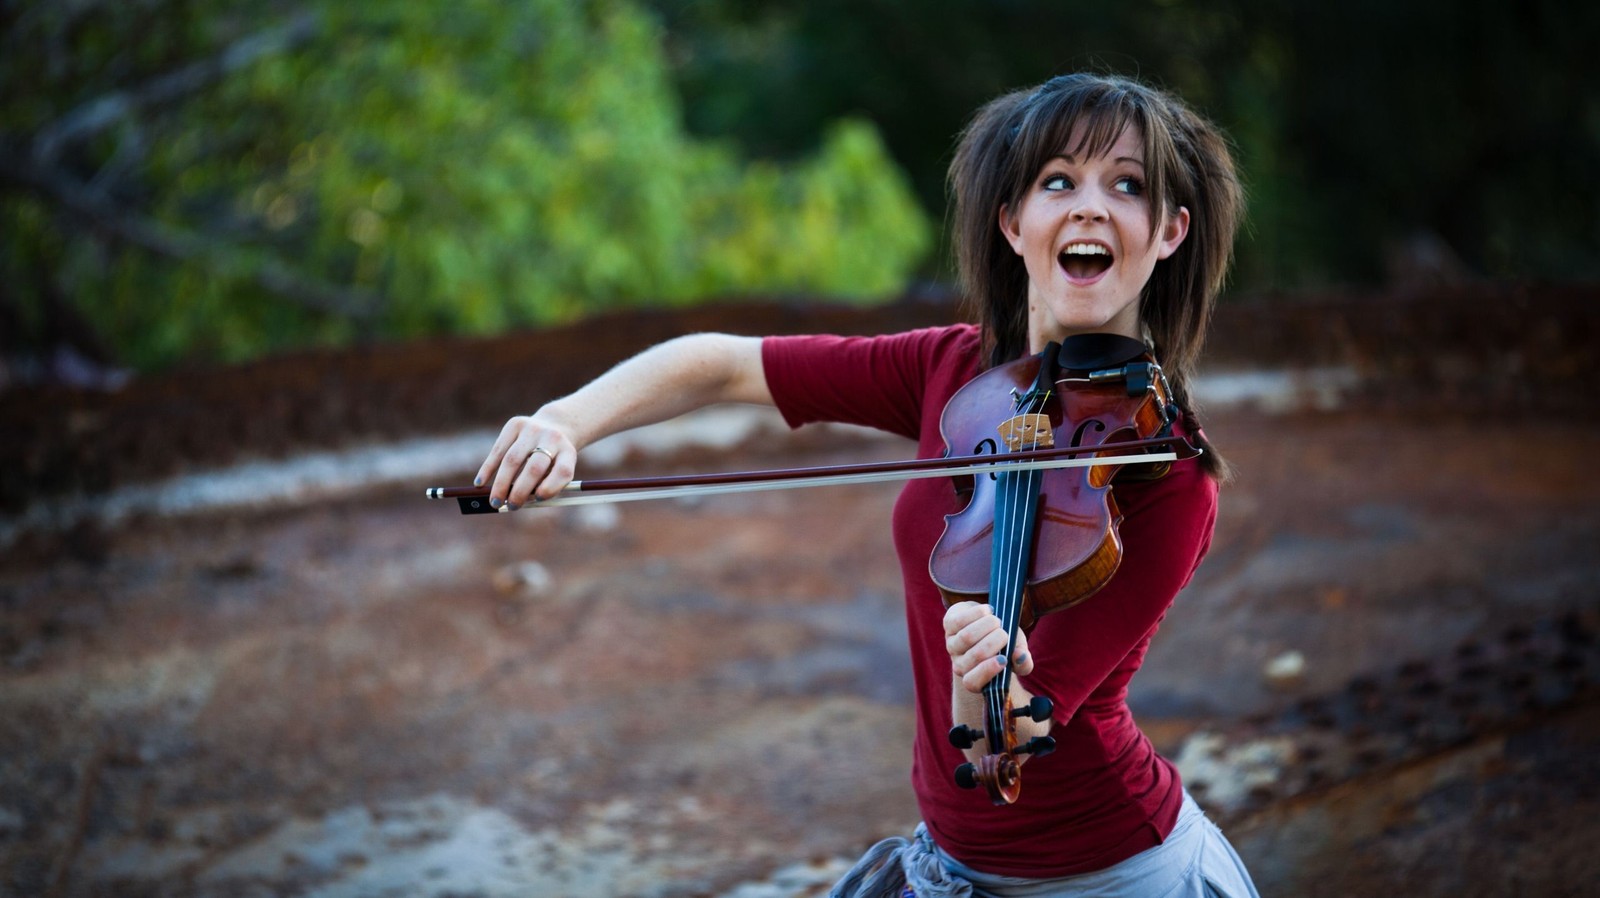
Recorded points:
1084,262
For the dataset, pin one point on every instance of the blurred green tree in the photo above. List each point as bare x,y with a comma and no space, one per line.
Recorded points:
214,180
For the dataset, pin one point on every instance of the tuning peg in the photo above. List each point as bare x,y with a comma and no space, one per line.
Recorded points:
1038,746
967,776
963,736
1039,709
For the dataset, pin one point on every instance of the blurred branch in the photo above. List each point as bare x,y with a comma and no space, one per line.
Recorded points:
130,151
102,112
105,216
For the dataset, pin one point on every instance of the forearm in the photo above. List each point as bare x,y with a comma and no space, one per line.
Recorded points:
536,455
662,382
966,707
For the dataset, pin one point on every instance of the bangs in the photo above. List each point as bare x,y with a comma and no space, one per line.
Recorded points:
1099,112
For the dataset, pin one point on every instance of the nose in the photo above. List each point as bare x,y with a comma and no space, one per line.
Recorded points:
1091,206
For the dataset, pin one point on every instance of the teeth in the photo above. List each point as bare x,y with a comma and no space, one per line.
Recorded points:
1086,249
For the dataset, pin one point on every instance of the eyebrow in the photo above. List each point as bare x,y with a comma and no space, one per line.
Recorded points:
1068,157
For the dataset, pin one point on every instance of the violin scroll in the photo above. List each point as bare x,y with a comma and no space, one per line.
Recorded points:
1000,773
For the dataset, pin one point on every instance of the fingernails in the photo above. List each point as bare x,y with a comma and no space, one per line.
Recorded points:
494,503
1001,659
1022,657
477,481
513,506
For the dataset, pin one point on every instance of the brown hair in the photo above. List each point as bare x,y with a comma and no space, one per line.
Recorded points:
1187,163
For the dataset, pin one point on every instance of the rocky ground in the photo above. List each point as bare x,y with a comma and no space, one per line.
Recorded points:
1385,674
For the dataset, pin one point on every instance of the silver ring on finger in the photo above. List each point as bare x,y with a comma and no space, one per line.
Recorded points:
547,453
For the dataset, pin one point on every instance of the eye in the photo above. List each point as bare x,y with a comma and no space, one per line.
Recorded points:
1056,182
1130,185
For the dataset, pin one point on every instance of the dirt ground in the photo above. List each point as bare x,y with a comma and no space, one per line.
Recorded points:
1385,675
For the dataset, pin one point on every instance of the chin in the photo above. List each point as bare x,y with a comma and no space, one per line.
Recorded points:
1083,324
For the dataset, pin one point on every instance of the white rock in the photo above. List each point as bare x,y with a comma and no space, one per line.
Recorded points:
529,578
602,518
1229,772
1285,669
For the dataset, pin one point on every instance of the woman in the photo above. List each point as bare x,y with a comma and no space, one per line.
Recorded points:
1092,204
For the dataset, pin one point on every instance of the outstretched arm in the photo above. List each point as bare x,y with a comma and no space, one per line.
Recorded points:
662,382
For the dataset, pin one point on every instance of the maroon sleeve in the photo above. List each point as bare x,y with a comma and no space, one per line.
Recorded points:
1100,643
872,381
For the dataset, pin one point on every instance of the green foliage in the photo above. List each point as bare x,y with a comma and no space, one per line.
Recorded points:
473,165
439,166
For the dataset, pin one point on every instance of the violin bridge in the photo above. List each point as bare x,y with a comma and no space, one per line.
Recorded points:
1028,432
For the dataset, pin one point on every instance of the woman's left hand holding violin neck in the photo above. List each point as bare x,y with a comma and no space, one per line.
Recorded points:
976,641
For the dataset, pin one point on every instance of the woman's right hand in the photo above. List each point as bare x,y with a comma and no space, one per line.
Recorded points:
534,457
536,454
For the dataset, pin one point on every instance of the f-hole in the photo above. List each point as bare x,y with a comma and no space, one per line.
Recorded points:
1077,435
987,446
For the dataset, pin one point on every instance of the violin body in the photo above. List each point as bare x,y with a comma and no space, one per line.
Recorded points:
1076,547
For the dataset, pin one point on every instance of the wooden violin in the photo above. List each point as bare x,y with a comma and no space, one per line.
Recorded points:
1030,542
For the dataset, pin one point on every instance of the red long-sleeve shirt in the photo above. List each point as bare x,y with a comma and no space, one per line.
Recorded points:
1104,795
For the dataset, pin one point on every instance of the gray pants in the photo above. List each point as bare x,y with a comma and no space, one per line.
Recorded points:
1195,861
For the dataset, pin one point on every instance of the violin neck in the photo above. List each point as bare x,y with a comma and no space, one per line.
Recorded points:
1016,508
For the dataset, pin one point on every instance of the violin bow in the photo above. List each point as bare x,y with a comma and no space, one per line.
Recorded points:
475,500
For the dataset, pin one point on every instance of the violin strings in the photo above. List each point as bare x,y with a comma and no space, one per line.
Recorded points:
1013,498
1016,515
997,689
1000,686
1026,493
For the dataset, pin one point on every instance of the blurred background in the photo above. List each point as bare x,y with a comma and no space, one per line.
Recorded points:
268,269
189,181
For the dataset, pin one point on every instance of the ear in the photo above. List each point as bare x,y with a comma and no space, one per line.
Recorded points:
1172,234
1011,228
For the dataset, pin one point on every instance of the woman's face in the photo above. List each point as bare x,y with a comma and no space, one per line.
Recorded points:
1083,231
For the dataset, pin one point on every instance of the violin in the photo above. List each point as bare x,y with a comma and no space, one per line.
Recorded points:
1030,542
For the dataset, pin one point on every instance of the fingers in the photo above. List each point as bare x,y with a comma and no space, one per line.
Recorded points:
961,614
513,459
975,679
983,629
977,645
491,464
529,460
1022,659
546,472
